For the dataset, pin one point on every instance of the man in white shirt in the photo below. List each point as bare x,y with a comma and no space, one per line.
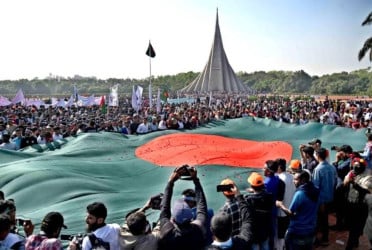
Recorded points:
143,128
95,219
290,189
163,124
57,134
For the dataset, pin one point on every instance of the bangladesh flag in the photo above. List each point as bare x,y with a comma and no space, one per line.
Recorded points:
123,172
164,95
102,105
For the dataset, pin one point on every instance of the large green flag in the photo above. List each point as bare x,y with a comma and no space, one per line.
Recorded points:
124,171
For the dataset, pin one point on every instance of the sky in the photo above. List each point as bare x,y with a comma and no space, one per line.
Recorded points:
108,39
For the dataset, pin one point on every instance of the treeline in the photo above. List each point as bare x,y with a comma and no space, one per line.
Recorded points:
274,82
299,82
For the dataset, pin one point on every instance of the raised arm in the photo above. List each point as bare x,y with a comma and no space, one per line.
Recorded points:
201,206
166,201
246,214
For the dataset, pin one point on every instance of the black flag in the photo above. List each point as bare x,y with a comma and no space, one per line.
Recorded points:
150,51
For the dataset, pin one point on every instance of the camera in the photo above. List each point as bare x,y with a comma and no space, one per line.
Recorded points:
68,237
184,170
223,188
77,239
155,201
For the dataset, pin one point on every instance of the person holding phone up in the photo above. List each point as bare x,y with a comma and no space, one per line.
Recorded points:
136,233
177,228
231,206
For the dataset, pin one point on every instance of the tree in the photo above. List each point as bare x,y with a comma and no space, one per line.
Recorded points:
368,44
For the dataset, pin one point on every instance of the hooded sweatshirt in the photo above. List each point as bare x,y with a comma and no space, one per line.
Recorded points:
304,206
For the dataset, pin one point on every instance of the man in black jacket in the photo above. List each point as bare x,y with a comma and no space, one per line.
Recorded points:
177,229
221,227
262,204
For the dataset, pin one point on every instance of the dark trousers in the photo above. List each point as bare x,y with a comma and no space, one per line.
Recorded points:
357,215
323,221
339,205
283,223
299,242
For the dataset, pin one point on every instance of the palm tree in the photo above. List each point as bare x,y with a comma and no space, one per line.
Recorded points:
368,44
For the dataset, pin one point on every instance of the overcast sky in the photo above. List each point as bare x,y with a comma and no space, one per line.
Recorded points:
108,39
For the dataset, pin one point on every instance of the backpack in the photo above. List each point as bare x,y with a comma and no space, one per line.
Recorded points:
17,245
98,243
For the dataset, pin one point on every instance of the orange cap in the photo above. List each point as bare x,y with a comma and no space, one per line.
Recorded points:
295,164
255,179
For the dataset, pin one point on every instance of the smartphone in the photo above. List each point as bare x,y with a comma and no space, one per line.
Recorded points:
156,201
21,221
222,188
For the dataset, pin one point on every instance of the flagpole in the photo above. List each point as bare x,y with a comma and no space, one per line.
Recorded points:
150,92
150,53
158,103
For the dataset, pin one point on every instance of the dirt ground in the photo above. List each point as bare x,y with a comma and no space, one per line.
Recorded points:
338,239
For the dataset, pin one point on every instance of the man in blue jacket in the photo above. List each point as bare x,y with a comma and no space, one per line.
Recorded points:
324,178
303,214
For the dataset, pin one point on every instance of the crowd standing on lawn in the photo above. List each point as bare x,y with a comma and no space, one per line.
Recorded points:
28,125
286,207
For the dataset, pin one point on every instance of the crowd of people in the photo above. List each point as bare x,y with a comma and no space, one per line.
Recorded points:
285,207
21,126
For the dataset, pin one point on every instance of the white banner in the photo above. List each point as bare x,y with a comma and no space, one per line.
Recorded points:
4,101
114,97
19,97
